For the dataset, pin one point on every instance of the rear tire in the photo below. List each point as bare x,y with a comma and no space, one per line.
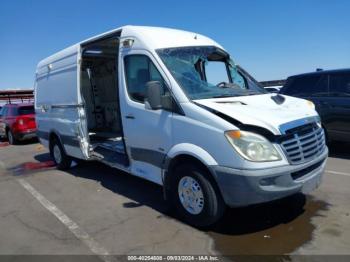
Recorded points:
195,197
11,138
61,159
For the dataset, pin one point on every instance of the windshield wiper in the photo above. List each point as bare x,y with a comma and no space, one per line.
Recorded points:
242,94
222,96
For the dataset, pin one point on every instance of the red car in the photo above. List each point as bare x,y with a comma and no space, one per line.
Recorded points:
17,122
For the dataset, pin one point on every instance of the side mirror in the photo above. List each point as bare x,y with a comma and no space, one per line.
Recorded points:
153,95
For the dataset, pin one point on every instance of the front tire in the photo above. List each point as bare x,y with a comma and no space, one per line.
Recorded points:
195,196
61,159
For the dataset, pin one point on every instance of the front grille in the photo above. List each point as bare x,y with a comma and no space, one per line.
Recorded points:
303,143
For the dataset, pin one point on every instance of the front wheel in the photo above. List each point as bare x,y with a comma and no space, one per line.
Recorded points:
62,160
195,197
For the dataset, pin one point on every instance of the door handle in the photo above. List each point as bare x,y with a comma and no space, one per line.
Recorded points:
130,116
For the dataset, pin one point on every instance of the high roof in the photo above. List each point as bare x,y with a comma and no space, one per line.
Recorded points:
145,36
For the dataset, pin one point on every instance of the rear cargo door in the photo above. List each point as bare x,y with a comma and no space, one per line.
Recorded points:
58,105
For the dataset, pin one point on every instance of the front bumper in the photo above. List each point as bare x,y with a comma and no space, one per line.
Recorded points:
252,186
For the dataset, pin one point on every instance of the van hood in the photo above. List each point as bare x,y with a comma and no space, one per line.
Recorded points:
261,110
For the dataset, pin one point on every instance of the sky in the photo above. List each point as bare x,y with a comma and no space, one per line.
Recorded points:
271,39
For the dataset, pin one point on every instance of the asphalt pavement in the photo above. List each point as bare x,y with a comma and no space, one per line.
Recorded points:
95,209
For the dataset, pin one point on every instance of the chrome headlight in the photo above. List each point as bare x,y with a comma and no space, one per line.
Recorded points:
252,147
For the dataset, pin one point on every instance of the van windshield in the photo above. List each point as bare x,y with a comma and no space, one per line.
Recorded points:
207,72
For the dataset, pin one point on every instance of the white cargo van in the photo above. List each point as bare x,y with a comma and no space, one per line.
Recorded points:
172,107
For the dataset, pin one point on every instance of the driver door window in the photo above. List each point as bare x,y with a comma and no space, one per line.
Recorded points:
139,70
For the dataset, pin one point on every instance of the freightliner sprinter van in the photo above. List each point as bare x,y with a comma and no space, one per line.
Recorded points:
172,107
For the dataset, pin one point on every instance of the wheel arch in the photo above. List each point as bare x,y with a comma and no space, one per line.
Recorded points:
192,151
188,153
54,134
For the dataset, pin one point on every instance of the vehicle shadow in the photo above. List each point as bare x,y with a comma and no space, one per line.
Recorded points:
139,191
28,141
339,150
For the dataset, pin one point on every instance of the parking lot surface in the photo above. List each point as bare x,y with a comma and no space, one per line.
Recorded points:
94,209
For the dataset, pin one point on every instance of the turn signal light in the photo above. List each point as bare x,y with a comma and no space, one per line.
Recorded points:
235,134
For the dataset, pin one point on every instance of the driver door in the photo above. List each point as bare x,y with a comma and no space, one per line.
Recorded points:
148,133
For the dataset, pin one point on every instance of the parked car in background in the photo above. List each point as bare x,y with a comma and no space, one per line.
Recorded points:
330,92
17,122
0,118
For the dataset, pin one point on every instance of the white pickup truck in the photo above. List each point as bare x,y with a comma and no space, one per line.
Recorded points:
172,107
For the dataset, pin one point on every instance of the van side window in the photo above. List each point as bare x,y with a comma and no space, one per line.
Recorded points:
340,84
139,69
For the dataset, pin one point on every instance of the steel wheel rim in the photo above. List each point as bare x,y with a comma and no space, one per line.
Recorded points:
57,154
191,195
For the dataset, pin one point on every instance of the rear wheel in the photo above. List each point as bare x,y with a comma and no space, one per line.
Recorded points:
195,197
12,140
62,160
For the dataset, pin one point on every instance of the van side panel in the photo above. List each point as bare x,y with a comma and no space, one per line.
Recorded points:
57,82
57,103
